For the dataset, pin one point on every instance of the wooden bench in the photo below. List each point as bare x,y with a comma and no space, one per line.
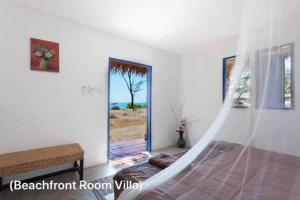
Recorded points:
36,159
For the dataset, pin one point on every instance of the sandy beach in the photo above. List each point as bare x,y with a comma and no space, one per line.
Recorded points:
127,125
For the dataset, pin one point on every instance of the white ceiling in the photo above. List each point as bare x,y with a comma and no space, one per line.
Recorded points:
178,26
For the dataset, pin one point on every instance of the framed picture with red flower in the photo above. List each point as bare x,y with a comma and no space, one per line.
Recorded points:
44,55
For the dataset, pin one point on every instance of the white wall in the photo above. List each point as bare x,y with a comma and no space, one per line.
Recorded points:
39,109
201,87
201,93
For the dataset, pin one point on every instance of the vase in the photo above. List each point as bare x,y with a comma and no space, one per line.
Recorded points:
44,64
180,141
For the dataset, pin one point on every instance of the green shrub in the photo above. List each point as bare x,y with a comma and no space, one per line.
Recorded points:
135,106
115,108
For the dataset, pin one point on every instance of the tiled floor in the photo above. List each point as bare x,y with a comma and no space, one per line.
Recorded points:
91,173
129,148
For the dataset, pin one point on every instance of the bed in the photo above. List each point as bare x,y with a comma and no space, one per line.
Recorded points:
268,176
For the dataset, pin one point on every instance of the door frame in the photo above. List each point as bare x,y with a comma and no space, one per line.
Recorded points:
148,103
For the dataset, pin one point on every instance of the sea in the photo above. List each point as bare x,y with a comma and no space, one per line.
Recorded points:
123,106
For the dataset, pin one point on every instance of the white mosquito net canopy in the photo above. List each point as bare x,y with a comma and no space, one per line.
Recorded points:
259,158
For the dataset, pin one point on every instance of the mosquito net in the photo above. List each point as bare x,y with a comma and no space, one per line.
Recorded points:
258,157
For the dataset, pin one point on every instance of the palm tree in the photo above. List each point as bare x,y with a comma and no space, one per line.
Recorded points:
129,73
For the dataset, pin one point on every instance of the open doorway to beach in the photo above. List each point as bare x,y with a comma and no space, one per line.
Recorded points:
129,112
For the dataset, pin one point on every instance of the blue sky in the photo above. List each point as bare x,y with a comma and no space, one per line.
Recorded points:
119,92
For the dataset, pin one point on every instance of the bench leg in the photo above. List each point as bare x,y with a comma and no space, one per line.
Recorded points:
75,164
1,184
81,170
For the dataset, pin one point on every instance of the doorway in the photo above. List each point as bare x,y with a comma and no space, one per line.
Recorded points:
129,108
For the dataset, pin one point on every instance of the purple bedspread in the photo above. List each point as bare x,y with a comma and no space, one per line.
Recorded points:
257,175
